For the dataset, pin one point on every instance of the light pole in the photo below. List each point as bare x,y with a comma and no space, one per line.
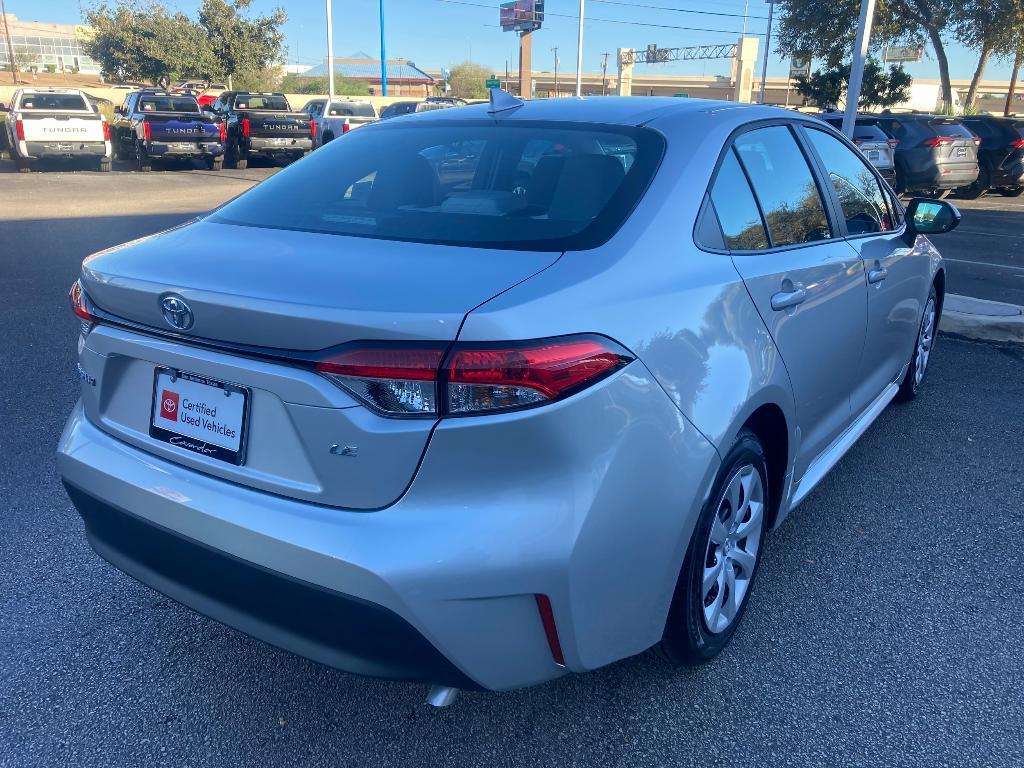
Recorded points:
330,59
10,49
767,48
383,56
555,50
579,55
860,52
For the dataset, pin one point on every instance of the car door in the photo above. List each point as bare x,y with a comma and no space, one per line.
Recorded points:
898,277
807,283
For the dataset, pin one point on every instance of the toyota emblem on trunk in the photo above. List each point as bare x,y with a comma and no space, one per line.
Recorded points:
176,312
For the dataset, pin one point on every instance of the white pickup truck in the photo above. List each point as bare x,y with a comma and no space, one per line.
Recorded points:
56,123
342,117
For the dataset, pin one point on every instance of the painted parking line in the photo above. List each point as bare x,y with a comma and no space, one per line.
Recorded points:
985,264
986,233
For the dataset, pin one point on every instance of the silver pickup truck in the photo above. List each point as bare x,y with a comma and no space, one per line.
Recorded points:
56,123
342,117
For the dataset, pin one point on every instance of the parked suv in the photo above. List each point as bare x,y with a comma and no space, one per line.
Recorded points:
57,123
878,147
935,153
481,429
1000,155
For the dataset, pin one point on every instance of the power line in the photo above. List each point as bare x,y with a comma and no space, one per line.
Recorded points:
679,10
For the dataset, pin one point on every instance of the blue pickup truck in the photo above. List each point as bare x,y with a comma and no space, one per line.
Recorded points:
156,125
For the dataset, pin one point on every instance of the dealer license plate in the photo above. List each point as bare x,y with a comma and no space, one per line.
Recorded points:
199,414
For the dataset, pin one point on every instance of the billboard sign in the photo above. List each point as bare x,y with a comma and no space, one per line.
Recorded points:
799,67
521,15
899,53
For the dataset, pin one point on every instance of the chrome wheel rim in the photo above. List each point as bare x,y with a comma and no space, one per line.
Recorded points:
925,340
731,553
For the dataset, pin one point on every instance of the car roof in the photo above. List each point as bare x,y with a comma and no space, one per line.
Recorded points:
607,110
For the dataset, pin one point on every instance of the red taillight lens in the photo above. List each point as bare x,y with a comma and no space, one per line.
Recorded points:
223,132
520,375
245,127
345,127
147,131
80,302
1017,144
936,141
106,131
858,142
547,619
419,380
893,143
312,129
19,129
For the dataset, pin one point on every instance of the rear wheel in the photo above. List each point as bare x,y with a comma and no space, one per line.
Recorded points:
22,165
977,189
217,163
1011,191
105,165
241,161
918,367
722,558
142,161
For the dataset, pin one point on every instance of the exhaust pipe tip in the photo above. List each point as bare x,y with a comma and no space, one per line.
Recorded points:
441,695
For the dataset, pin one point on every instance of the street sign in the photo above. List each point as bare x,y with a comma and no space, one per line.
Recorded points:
681,95
799,67
492,82
899,53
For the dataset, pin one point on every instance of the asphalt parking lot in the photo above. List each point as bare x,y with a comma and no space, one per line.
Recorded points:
885,629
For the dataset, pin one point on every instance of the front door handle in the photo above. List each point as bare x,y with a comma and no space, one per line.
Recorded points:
877,275
786,299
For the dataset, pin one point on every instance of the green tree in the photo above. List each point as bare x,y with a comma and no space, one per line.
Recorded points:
992,28
244,45
468,80
879,88
132,41
24,58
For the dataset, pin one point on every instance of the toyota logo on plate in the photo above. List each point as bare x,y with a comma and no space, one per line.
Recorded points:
177,313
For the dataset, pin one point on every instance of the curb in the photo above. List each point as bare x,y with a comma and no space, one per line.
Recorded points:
982,319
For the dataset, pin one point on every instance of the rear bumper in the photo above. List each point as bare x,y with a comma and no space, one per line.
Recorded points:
271,146
318,623
69,149
196,149
590,501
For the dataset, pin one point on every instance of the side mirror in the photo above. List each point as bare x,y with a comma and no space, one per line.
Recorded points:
930,217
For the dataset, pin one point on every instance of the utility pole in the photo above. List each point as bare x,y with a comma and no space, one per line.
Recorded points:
330,59
604,73
10,48
579,55
526,65
1018,60
767,48
555,49
383,56
860,53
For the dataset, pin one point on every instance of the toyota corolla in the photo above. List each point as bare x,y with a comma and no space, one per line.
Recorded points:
484,396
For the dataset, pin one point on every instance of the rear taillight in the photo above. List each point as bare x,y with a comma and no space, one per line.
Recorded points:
429,380
106,131
19,129
893,142
936,141
1017,144
312,129
858,142
147,130
80,302
977,140
345,127
245,127
223,132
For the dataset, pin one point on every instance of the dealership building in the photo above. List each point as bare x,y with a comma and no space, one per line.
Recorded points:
45,46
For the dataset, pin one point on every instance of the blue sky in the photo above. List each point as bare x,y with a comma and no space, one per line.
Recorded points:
437,33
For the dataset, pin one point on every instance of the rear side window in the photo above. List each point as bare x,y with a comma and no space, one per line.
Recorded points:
784,186
860,195
53,101
736,208
530,186
869,132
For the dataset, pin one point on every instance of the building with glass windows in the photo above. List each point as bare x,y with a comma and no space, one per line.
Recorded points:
45,47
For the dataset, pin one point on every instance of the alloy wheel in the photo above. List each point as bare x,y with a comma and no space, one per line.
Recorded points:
731,553
924,342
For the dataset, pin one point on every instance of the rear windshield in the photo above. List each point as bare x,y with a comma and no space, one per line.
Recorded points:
54,101
529,186
951,128
869,132
168,104
252,101
352,109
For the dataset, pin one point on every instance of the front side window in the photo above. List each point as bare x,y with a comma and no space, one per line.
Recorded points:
737,210
534,186
860,195
784,186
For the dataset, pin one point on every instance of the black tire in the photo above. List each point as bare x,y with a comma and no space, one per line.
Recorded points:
105,165
217,163
688,639
241,163
328,138
1011,191
22,165
929,325
142,161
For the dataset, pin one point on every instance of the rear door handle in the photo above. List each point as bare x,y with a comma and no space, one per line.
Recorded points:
877,275
786,299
